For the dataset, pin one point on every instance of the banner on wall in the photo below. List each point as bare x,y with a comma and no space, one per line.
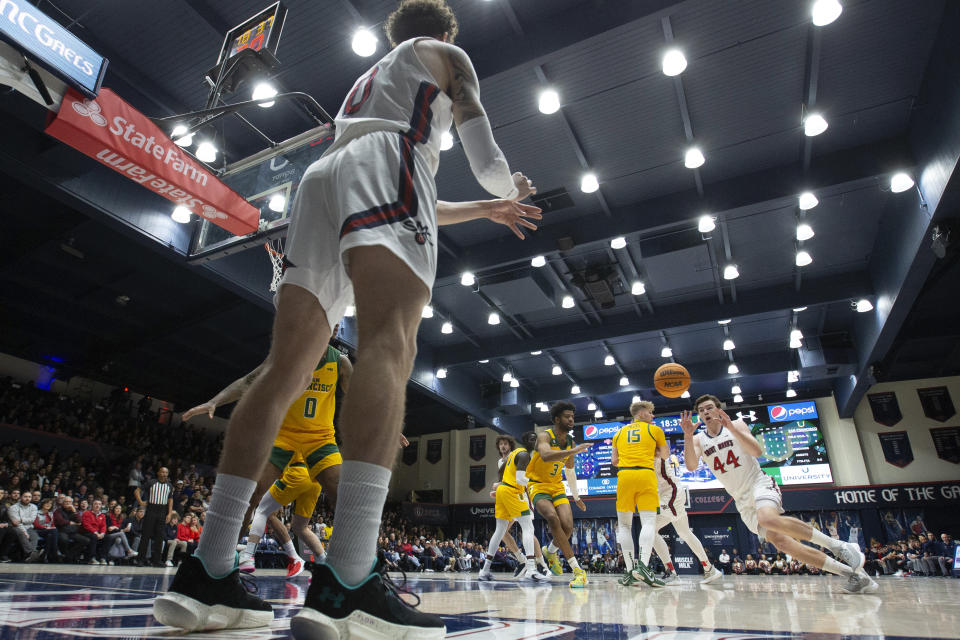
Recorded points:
946,440
410,452
937,404
896,448
478,447
423,513
478,477
717,536
886,409
434,450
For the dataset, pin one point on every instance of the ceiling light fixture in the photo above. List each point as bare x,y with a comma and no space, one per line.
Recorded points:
624,381
733,369
567,302
738,398
483,361
507,376
277,203
264,91
825,11
685,394
350,311
441,373
730,272
693,158
514,383
807,200
814,124
618,243
181,214
674,62
803,258
598,414
900,182
589,183
635,398
592,406
364,43
638,288
791,393
446,141
549,101
536,353
799,309
427,311
538,261
446,327
556,370
727,321
736,389
609,361
804,232
728,345
793,376
493,318
706,224
863,305
575,389
178,136
467,279
666,352
206,152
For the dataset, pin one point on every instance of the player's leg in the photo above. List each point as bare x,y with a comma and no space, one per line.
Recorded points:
295,564
270,503
328,475
495,539
526,531
389,300
663,552
770,518
511,544
682,525
647,503
299,525
625,538
300,336
565,517
544,506
270,474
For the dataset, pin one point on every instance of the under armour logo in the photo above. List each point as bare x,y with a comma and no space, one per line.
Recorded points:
90,109
337,599
752,416
211,213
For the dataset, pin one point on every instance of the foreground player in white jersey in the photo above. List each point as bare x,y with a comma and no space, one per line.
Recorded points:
363,232
673,510
731,452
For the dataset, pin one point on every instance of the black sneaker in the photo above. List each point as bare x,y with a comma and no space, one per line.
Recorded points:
197,602
373,608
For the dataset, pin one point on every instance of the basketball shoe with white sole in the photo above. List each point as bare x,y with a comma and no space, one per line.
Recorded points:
712,575
860,582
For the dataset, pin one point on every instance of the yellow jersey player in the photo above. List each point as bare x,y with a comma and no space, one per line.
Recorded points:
512,505
505,446
634,447
552,451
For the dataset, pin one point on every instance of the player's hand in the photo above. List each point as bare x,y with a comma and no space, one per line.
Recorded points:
513,215
524,186
403,441
580,448
206,407
493,494
686,423
580,504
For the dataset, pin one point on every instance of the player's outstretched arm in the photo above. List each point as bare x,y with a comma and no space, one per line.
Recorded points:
509,213
741,432
231,393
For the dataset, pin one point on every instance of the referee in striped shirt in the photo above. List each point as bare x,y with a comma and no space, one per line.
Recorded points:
159,505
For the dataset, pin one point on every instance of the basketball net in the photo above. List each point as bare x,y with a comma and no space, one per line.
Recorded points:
275,252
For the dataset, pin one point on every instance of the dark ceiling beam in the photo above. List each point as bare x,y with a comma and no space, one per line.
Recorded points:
682,101
902,258
757,192
821,290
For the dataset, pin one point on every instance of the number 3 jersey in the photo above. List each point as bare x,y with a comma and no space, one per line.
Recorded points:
738,471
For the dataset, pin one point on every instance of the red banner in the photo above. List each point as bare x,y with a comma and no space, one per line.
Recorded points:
115,134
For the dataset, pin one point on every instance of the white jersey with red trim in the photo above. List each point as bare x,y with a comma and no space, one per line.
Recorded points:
738,471
397,94
673,496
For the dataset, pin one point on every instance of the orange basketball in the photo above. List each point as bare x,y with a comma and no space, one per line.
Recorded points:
671,380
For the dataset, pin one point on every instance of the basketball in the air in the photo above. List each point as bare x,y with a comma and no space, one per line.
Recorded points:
671,380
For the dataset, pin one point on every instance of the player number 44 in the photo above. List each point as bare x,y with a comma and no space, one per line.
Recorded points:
731,460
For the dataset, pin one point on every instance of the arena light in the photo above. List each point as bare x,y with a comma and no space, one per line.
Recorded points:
900,182
693,158
364,43
793,376
592,406
483,361
507,376
556,370
514,383
863,305
727,321
799,309
685,394
728,345
618,243
804,232
738,398
446,141
575,389
624,381
635,399
666,352
674,62
427,311
277,202
791,393
549,101
598,414
825,11
181,214
706,224
446,327
733,369
350,311
803,258
589,183
538,261
814,124
730,272
807,200
467,279
441,373
638,288
544,408
178,135
206,152
567,302
264,91
609,361
536,353
736,389
493,318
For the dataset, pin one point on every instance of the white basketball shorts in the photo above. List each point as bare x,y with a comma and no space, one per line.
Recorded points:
766,493
375,190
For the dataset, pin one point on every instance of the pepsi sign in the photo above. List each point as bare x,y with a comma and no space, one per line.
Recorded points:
601,431
793,411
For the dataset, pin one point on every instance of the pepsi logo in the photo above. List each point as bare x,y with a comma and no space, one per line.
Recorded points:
590,431
777,412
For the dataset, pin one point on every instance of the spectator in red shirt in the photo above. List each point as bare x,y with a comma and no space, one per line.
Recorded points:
183,536
47,530
95,524
116,533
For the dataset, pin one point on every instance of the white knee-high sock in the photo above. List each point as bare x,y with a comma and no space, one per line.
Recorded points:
625,538
686,534
821,539
217,549
660,547
526,535
362,492
648,530
495,543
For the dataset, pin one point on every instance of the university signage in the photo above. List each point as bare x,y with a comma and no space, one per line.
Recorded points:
115,134
47,42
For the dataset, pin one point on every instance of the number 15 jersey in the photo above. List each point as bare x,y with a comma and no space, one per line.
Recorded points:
738,471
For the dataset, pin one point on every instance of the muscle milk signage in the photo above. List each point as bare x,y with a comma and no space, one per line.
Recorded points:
47,42
115,134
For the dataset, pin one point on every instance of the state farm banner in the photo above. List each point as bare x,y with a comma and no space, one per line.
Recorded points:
115,134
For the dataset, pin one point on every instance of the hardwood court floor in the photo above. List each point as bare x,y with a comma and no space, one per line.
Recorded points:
41,602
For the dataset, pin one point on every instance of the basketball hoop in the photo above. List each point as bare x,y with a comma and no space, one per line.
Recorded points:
275,251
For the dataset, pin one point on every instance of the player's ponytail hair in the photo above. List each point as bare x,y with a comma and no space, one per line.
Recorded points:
419,18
